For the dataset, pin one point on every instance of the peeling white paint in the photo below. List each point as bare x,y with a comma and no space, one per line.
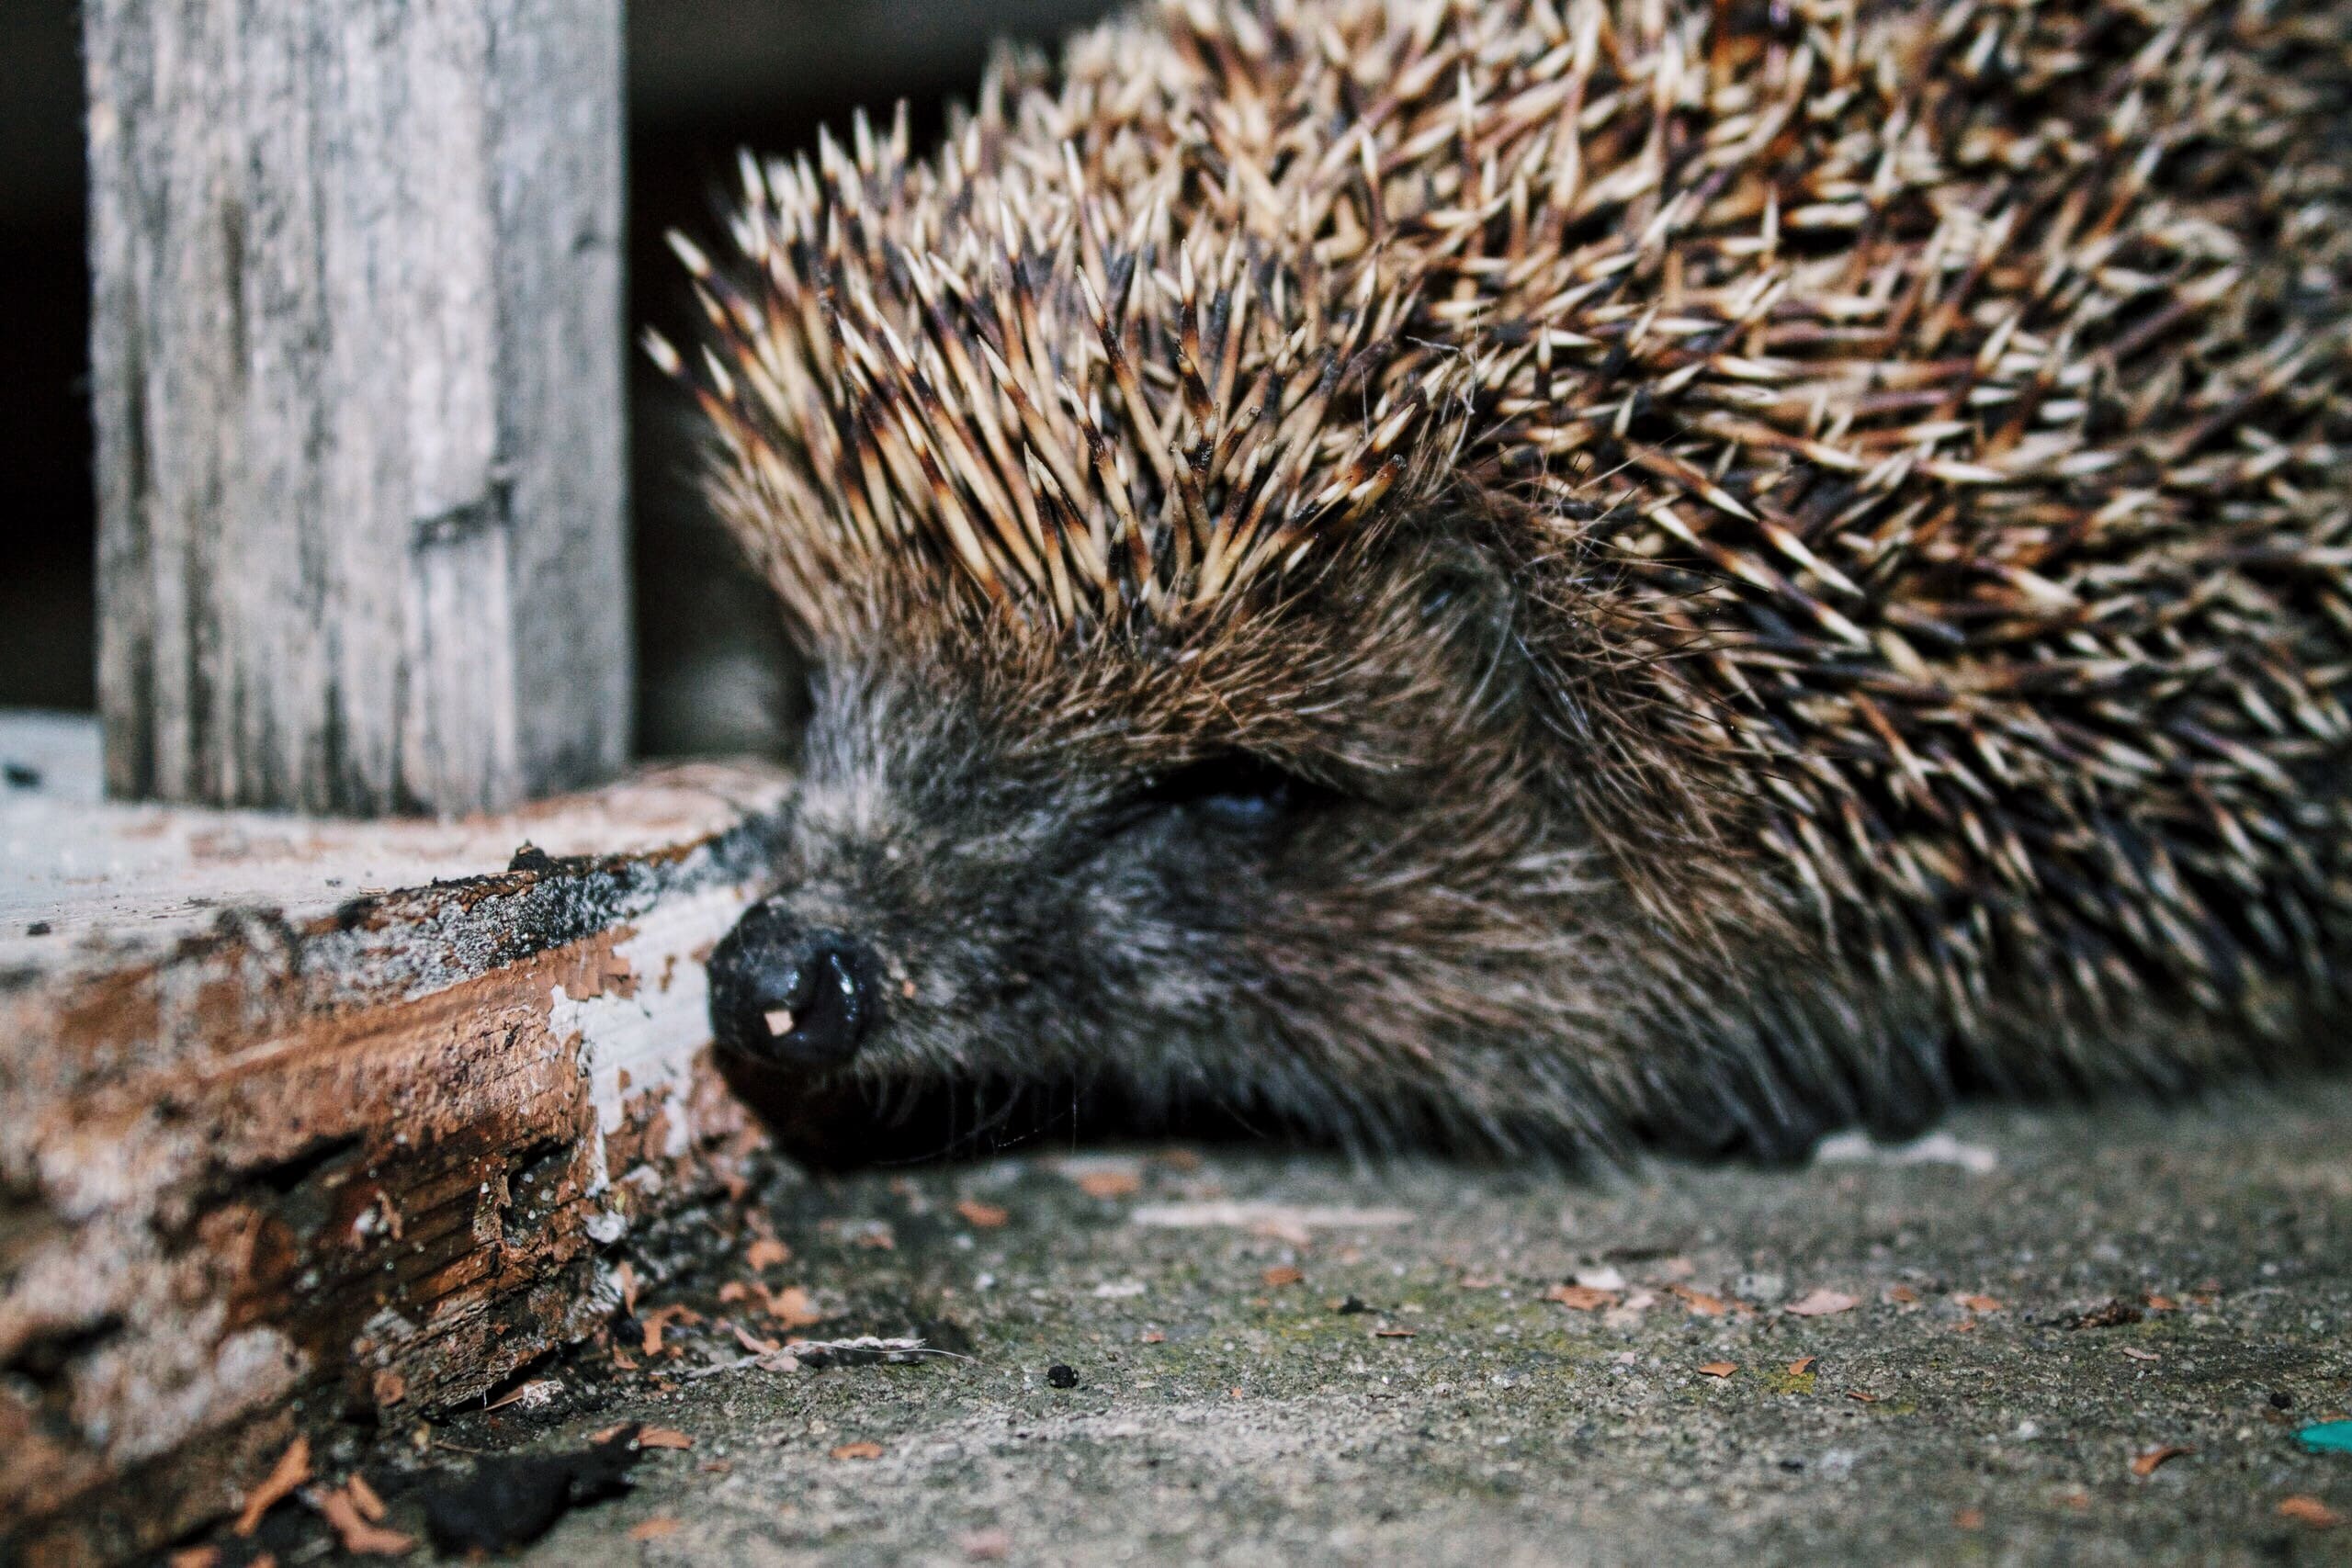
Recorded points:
655,1033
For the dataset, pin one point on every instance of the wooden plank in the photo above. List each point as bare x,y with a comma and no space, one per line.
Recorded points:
356,364
365,1146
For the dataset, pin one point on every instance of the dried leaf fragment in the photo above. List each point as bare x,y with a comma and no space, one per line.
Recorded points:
1802,1365
766,1253
663,1437
2310,1511
1718,1368
2139,1355
1978,1304
1821,1304
793,1308
659,1319
858,1450
1580,1298
364,1498
2147,1464
1281,1275
360,1536
292,1468
1700,1304
753,1343
1109,1181
981,1216
655,1528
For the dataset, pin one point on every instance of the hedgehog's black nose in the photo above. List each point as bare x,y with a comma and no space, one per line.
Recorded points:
790,997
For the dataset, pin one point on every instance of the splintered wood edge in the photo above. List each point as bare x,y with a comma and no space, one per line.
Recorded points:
372,1153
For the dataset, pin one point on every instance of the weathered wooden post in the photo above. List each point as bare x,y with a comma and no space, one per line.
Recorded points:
358,356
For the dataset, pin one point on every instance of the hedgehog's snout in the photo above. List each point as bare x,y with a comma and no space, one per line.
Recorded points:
791,997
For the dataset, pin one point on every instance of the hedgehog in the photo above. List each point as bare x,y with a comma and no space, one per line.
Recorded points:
1559,575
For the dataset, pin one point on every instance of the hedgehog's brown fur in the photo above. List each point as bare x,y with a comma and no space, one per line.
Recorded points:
1811,541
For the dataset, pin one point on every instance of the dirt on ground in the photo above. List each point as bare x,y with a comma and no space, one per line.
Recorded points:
2115,1335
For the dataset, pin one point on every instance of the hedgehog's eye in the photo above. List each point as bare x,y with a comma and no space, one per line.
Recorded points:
1236,792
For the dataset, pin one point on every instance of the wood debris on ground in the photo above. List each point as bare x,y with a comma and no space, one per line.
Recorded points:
2148,1461
292,1468
753,1343
873,1234
1700,1304
1580,1298
2310,1511
1978,1304
2114,1313
353,1511
530,1395
857,1451
981,1216
656,1322
654,1529
1106,1180
1282,1275
364,1498
663,1437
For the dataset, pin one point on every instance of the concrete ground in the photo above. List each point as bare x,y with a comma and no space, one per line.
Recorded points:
1281,1358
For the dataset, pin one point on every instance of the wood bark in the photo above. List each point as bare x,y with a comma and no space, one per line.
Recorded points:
357,367
367,1146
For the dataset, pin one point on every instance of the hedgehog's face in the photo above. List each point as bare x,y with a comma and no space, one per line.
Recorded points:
1273,864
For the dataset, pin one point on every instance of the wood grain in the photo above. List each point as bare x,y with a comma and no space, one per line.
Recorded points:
356,358
366,1148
